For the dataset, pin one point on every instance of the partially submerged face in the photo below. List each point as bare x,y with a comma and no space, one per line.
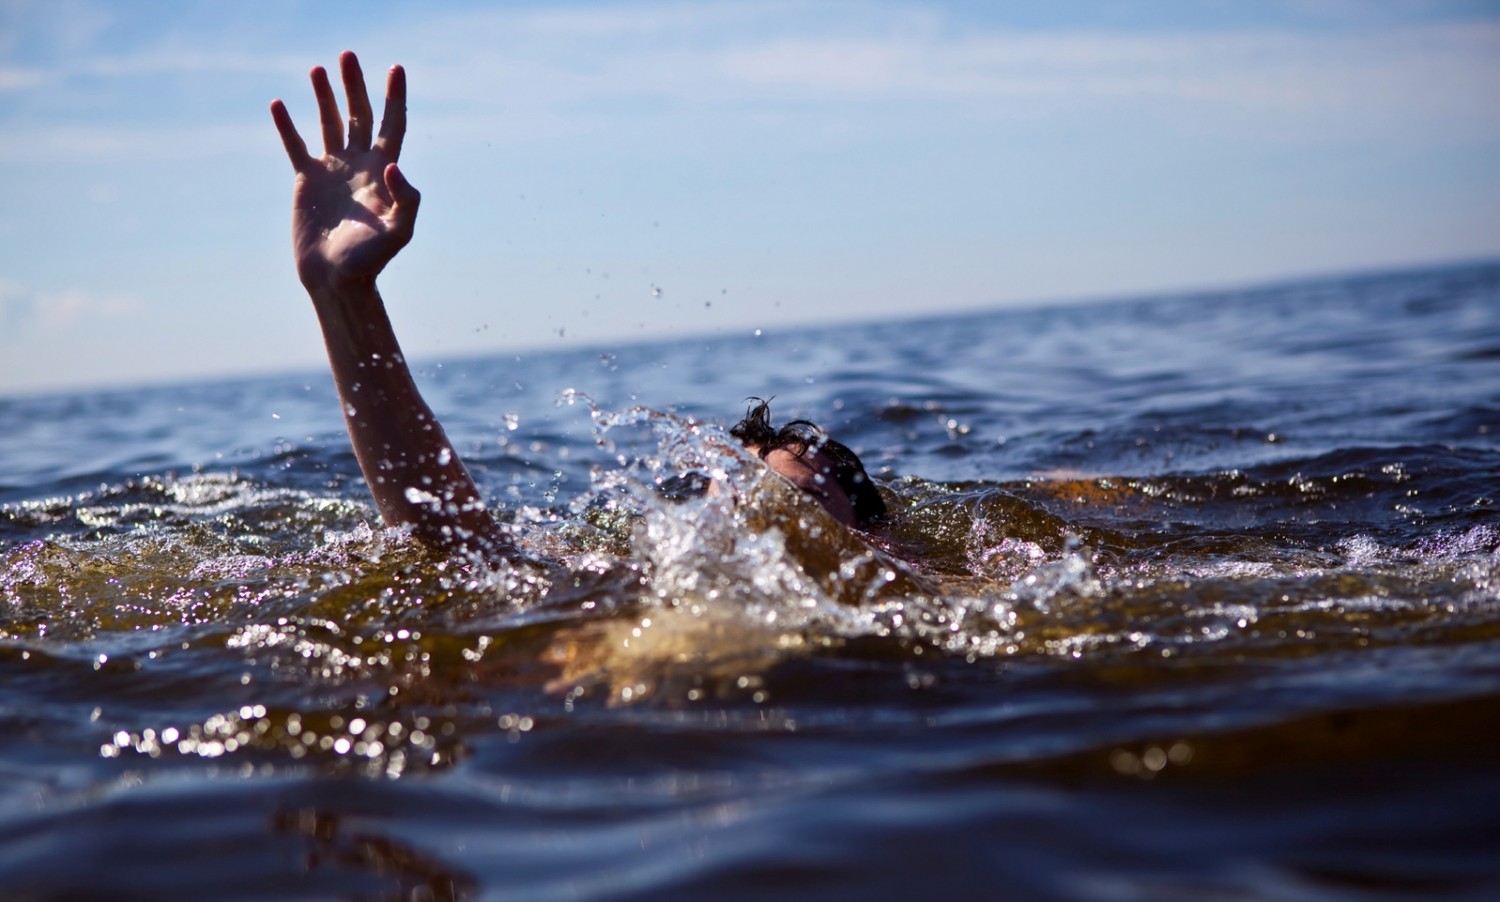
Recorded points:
814,473
823,468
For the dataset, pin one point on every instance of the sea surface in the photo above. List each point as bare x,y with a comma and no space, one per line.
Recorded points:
1189,597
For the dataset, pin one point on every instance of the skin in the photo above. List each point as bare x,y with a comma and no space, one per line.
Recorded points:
352,211
810,471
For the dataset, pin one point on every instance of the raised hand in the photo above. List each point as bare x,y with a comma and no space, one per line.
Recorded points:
352,209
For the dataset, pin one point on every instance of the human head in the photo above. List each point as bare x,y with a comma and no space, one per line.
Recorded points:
826,469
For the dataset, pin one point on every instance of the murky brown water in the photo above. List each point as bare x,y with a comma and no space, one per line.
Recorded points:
1181,598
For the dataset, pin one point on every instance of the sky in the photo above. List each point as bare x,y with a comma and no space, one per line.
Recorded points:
597,173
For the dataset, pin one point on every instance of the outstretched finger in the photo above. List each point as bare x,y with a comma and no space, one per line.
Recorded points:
393,120
296,148
328,112
361,118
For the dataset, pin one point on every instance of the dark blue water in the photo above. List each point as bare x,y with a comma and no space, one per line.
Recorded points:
1182,598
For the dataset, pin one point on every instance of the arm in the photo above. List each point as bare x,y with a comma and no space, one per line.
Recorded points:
352,211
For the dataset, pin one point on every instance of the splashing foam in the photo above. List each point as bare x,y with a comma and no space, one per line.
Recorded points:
747,572
731,579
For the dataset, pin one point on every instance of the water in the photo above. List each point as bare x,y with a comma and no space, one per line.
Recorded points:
1190,597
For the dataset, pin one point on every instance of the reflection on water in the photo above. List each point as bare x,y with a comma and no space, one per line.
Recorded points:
1178,598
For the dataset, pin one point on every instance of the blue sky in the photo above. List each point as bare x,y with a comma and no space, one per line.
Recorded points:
606,172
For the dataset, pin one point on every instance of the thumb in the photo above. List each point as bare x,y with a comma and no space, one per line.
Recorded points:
405,197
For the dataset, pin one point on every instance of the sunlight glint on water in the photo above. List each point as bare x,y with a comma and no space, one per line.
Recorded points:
1179,597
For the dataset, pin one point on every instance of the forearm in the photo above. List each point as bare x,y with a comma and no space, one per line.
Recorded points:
415,476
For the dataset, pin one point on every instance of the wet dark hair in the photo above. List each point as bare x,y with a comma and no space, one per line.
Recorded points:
800,435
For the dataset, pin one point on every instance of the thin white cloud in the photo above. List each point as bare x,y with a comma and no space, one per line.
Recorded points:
63,143
15,79
547,70
176,61
29,314
1416,70
95,75
633,20
65,26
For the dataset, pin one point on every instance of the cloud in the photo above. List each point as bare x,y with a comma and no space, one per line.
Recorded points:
736,55
15,79
28,314
895,47
118,144
551,71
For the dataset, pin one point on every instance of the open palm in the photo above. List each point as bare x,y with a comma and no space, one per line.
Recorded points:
352,209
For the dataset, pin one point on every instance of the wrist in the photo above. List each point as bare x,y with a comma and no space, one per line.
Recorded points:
346,306
326,281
